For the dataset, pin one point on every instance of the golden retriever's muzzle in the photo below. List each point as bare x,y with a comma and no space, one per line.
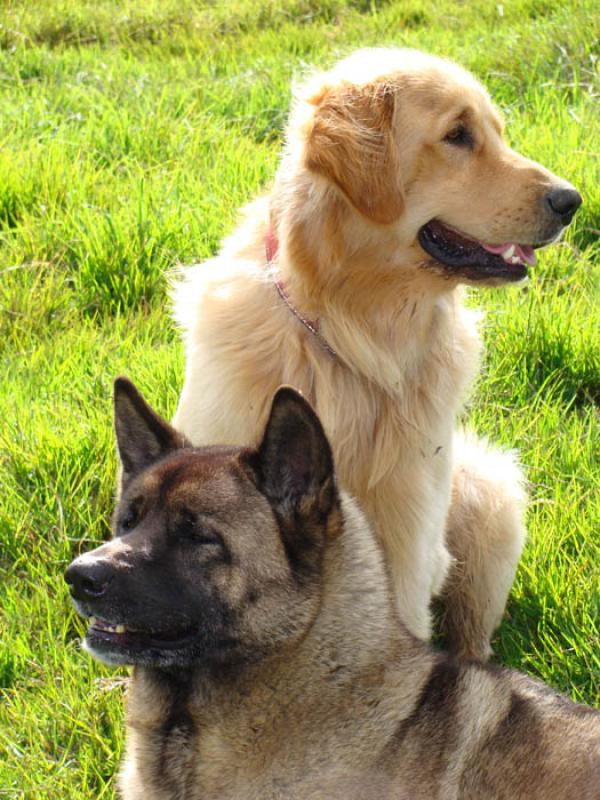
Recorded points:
478,261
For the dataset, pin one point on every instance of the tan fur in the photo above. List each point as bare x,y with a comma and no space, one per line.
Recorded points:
364,168
270,661
358,710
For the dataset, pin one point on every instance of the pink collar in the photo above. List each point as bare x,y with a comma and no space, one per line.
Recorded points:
271,248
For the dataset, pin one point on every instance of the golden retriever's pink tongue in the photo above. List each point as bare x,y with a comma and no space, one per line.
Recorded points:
512,253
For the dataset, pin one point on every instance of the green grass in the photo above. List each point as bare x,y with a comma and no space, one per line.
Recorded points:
130,134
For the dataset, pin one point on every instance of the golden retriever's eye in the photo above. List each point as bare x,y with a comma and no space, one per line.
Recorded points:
459,136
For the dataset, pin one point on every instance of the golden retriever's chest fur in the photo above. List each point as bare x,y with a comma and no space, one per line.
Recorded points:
388,402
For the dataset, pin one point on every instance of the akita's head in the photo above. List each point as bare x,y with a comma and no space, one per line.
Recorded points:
217,551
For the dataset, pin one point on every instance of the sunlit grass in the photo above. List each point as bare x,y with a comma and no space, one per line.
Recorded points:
130,135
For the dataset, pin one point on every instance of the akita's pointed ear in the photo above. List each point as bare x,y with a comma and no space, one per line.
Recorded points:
142,436
351,141
293,463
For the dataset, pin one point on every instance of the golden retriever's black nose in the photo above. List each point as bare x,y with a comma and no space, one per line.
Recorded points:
564,203
88,580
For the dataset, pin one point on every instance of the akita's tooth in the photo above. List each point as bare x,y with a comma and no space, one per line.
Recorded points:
508,253
120,629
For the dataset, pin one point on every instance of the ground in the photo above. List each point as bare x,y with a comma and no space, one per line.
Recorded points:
131,133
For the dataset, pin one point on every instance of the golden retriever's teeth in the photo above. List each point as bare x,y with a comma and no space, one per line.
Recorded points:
120,629
508,254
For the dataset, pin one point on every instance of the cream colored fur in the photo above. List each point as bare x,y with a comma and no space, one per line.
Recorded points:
364,168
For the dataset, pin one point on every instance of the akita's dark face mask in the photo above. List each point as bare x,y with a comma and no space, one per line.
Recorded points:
216,555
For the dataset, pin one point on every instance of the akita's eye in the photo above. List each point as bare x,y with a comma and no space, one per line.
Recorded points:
459,136
130,520
189,528
186,524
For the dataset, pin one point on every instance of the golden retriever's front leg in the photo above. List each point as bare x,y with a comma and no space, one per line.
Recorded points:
485,535
408,510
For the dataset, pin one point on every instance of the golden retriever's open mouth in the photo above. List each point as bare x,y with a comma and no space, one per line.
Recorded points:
475,260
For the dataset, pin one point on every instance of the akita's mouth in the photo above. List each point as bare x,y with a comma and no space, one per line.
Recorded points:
476,260
105,635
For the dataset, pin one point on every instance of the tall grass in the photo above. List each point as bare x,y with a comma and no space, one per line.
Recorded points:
131,133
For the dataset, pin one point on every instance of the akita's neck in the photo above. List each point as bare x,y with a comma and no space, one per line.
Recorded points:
355,577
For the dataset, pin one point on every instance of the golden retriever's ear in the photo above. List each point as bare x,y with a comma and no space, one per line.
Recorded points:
351,141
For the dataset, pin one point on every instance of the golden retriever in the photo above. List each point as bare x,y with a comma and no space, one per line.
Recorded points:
395,187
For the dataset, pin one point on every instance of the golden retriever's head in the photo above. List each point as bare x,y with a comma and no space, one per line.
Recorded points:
414,145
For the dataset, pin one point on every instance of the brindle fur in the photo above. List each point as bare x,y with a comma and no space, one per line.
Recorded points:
303,683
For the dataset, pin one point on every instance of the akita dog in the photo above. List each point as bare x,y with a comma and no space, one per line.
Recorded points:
270,662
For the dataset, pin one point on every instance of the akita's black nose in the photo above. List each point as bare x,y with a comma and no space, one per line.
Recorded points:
564,203
88,580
